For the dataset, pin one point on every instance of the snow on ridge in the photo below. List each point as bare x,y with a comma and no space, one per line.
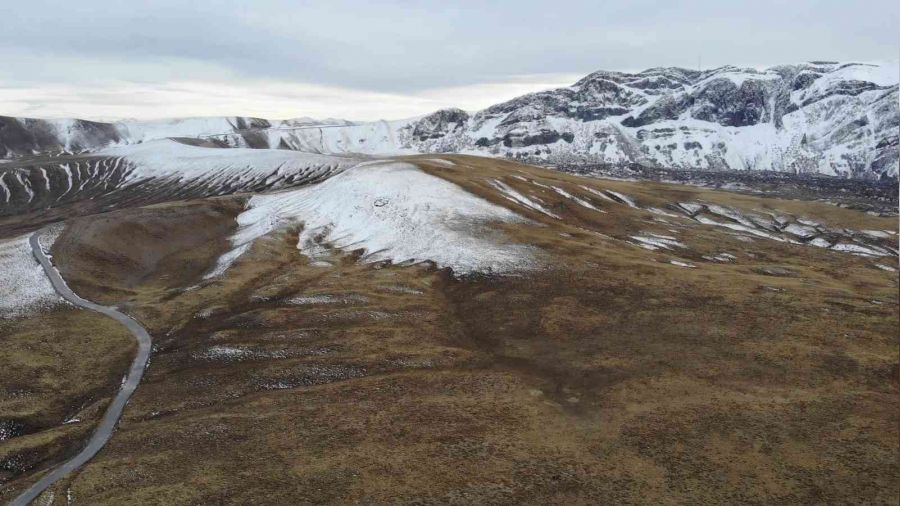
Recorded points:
137,131
736,76
393,211
26,288
141,131
878,73
166,158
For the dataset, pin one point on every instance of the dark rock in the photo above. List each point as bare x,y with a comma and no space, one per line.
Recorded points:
440,123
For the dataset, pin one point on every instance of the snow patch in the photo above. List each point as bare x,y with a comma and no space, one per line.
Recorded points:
856,249
393,211
598,193
328,299
820,242
581,201
721,257
441,162
514,196
802,231
624,199
657,241
235,354
26,288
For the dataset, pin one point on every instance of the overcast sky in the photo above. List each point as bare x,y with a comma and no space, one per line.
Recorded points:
362,61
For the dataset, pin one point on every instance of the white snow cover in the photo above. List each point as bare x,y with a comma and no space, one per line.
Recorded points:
24,288
624,198
328,299
581,201
165,158
135,131
236,353
801,230
856,249
514,196
880,73
394,212
378,137
812,138
442,162
140,131
721,257
599,193
653,241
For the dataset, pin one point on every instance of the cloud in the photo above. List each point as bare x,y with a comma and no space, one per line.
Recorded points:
261,98
421,51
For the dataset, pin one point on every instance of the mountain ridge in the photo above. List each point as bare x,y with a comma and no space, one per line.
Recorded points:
818,117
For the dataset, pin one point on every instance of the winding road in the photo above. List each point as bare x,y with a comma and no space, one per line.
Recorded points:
105,430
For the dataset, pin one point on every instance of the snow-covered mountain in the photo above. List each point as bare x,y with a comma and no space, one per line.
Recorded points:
824,117
155,171
29,136
839,119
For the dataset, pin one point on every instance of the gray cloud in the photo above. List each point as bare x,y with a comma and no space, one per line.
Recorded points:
411,47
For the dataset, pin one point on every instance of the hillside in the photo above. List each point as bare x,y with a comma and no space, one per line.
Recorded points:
456,330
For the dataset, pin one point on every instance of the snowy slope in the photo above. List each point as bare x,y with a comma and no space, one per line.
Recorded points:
216,127
25,286
141,131
154,170
168,158
27,136
830,118
394,212
837,119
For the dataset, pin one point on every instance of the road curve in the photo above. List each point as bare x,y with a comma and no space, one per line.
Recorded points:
105,430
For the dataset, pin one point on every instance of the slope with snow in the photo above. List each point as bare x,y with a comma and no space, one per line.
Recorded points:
25,287
157,170
393,211
830,118
30,136
839,119
167,158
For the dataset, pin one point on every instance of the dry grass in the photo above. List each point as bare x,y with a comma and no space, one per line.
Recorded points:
607,376
64,365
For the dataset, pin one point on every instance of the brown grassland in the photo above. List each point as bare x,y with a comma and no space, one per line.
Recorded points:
606,376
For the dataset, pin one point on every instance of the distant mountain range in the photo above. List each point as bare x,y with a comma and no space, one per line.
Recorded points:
819,117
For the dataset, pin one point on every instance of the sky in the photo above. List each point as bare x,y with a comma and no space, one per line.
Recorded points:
369,60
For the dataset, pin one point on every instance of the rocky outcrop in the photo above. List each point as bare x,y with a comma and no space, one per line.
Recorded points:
439,124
